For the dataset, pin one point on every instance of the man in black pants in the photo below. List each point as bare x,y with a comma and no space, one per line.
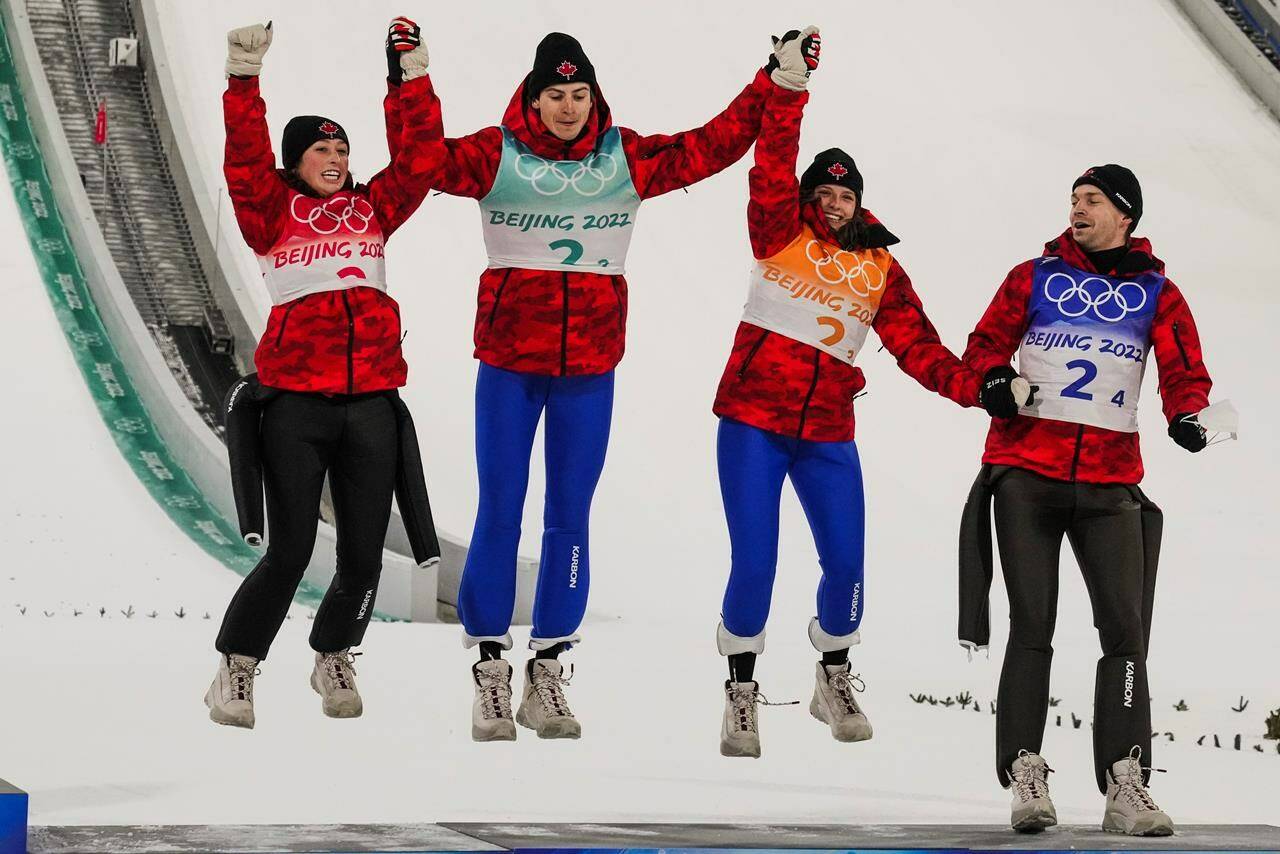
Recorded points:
1062,458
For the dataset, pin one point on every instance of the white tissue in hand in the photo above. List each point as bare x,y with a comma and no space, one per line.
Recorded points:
1220,417
1021,391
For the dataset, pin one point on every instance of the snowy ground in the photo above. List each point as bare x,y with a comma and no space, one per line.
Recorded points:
969,123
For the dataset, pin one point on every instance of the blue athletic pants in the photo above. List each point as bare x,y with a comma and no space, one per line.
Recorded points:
827,477
508,407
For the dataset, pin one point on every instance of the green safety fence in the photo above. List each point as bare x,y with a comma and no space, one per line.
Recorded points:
122,410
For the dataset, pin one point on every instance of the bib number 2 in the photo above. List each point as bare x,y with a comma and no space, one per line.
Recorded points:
1088,373
575,252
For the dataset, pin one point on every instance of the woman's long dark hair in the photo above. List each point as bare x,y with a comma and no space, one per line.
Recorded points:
851,236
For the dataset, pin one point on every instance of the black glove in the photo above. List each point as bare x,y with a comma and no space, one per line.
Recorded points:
1187,432
402,35
996,393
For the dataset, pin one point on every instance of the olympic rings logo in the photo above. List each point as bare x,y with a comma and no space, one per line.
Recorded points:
1108,301
862,276
588,177
353,212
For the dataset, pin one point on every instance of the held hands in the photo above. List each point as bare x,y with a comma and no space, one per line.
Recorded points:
1187,432
794,58
1003,392
406,54
245,48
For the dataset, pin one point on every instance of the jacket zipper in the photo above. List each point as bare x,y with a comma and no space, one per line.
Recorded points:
813,386
751,354
1075,459
351,344
1177,339
661,148
497,297
564,328
622,323
284,321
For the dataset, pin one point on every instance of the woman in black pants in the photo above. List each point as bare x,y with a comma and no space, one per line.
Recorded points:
328,364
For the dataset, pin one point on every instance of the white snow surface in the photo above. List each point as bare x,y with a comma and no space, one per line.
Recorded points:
969,122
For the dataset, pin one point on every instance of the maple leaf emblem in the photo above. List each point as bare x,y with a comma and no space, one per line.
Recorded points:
838,170
566,69
328,128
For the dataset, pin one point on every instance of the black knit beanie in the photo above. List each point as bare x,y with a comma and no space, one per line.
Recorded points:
302,132
832,166
1119,185
559,59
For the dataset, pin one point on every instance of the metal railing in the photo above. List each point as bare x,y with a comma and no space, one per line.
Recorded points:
128,180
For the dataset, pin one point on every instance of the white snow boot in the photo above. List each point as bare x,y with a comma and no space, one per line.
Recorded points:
740,730
543,707
230,697
334,679
834,703
1129,806
491,708
1032,809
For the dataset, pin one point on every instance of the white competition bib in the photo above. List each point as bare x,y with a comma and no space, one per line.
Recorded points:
1086,344
328,244
561,214
819,294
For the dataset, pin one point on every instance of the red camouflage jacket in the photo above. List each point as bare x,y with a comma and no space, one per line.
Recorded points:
782,385
1079,452
340,341
567,323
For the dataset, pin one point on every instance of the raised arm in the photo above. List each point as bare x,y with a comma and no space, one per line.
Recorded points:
906,332
665,162
258,195
773,212
413,130
662,163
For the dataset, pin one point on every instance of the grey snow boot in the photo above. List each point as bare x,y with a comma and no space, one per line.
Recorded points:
334,679
1032,809
543,706
230,697
491,708
739,730
834,702
1129,806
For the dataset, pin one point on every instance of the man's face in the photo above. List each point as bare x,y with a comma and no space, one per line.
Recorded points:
1096,223
564,109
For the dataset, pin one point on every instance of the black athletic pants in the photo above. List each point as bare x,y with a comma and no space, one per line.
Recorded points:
354,439
1103,522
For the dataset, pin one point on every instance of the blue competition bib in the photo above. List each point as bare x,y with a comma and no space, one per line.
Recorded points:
561,214
1086,344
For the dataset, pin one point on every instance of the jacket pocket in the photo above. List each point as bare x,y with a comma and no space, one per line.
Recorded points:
497,301
284,320
751,354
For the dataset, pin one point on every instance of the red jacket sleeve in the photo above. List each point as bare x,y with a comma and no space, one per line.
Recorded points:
996,337
906,332
773,213
465,166
1184,380
258,194
396,191
662,163
391,117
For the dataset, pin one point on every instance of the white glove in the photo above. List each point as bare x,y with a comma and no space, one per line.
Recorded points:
797,56
404,42
245,48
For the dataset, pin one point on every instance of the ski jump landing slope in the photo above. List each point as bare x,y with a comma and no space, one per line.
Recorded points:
970,122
